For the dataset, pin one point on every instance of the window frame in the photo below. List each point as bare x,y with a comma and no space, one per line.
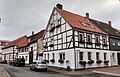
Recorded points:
89,55
97,55
89,39
80,55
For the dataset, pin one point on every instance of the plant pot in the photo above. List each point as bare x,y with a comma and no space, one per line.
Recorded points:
99,61
47,61
106,62
52,60
90,62
61,61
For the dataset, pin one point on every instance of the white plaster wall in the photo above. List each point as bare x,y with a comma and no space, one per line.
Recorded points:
24,54
93,57
69,55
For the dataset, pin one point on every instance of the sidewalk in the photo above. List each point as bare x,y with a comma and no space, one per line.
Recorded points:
3,73
107,70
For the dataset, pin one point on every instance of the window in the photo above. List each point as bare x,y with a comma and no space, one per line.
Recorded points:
118,43
104,40
53,55
89,55
89,38
97,55
113,42
81,37
105,55
113,56
80,55
45,56
62,56
59,21
52,41
97,39
26,58
31,48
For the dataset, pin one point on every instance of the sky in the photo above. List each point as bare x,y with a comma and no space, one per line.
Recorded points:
21,17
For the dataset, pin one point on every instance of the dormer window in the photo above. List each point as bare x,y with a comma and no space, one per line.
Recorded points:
84,24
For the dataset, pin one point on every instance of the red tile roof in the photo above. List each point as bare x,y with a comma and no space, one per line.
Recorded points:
18,42
35,37
79,22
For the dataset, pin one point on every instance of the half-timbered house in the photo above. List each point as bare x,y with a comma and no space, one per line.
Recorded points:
72,40
35,47
10,52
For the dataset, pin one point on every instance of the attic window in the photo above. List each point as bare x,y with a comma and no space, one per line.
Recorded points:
84,24
91,25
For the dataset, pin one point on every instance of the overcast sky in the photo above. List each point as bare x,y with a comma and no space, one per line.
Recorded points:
20,17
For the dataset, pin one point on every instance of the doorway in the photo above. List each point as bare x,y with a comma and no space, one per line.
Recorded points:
30,57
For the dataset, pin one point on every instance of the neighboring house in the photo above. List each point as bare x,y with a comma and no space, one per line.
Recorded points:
23,51
9,52
71,39
35,47
3,43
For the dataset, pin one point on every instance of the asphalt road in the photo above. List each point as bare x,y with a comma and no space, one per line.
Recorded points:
20,72
25,72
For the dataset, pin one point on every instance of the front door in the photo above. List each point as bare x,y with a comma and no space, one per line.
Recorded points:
118,57
30,57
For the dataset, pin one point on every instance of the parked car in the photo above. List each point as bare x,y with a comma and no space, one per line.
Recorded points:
38,66
20,62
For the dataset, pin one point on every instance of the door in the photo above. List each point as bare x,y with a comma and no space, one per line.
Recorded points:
118,57
30,57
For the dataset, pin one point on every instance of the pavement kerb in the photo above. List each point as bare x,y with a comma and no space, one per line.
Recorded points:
107,73
5,72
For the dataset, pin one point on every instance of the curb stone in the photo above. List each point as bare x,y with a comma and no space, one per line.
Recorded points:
107,73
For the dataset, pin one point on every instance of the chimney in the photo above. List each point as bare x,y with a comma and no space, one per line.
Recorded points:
32,32
59,6
87,15
109,23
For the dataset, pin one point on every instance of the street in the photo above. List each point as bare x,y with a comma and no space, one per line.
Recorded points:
25,72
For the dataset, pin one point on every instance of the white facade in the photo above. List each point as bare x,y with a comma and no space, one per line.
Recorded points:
58,41
7,53
25,55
